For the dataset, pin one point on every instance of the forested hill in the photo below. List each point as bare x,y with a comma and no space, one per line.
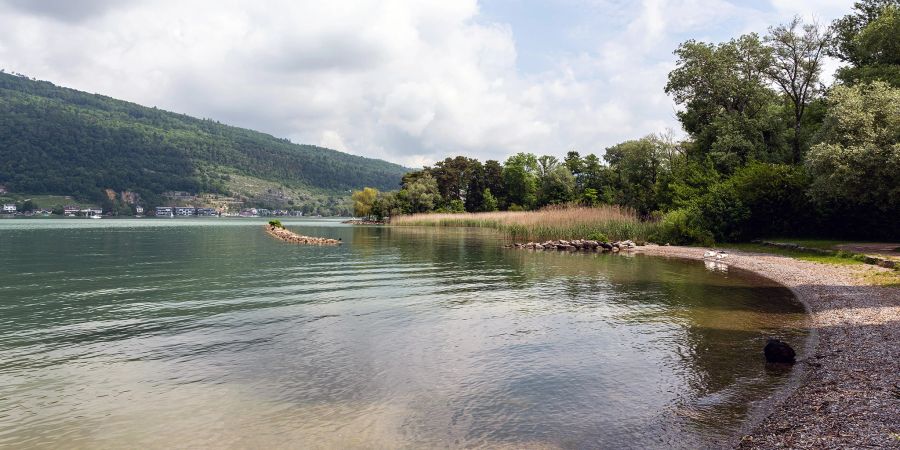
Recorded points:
55,140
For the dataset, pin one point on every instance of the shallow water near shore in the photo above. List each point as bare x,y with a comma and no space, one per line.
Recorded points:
209,333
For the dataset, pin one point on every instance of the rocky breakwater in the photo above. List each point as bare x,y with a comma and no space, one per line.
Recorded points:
576,245
294,238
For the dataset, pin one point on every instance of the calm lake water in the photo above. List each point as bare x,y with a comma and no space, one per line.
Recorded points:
208,333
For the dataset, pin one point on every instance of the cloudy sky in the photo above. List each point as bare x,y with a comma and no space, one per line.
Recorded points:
407,81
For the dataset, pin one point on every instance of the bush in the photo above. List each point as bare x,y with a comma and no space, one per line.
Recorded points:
681,227
276,223
775,195
722,213
598,236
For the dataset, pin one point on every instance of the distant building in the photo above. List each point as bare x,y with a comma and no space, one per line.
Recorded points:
206,212
9,209
262,212
164,211
185,211
139,210
71,211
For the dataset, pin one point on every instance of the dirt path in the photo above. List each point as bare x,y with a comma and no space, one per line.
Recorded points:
849,393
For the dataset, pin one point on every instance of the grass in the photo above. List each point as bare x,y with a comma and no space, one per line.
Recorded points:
889,278
561,222
839,258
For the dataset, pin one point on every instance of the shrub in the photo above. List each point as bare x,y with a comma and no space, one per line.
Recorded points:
775,195
598,236
721,212
276,223
682,226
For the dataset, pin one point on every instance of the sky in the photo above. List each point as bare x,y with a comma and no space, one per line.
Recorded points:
410,82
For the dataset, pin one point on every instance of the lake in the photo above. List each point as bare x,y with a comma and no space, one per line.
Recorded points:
208,333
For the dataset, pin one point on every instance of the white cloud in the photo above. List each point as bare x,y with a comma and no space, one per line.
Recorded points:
408,81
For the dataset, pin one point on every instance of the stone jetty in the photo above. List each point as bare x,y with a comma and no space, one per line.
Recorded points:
576,245
294,238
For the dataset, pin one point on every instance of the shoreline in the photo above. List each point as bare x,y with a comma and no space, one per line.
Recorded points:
845,391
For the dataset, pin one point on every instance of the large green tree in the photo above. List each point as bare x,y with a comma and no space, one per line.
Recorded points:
856,167
868,40
729,110
797,56
520,176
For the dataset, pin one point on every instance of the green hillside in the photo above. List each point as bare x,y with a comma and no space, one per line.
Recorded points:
60,141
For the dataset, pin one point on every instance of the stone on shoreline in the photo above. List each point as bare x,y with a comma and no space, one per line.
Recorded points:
779,352
575,245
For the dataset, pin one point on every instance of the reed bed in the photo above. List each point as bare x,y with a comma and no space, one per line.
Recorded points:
561,222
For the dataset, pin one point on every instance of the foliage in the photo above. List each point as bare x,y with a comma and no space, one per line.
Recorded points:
682,226
363,201
729,110
637,166
721,212
856,166
868,40
490,202
276,223
520,178
775,196
798,53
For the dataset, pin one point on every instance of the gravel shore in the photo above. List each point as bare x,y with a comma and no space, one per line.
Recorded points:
848,395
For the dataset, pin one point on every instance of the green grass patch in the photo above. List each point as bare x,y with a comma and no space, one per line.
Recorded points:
839,258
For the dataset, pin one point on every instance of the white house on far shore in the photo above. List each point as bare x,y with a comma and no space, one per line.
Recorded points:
9,208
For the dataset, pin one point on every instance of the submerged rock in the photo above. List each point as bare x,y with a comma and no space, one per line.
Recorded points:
779,352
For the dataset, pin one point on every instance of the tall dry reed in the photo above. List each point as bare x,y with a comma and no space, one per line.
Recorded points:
561,222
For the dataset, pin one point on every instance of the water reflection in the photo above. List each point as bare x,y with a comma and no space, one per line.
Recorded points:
192,333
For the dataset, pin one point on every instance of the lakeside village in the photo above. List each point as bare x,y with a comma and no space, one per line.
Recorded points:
11,210
181,206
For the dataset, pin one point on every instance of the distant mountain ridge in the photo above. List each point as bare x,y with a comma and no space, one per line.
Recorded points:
56,140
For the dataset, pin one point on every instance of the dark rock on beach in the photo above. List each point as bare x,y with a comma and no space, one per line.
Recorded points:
779,352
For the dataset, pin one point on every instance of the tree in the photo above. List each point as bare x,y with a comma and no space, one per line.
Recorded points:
363,201
846,30
856,166
421,195
453,176
475,187
636,166
557,186
519,175
798,52
729,109
493,180
26,206
490,202
868,41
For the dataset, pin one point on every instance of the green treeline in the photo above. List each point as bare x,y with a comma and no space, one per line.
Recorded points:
770,150
55,140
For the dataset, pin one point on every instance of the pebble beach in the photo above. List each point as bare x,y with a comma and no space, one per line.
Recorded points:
848,389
